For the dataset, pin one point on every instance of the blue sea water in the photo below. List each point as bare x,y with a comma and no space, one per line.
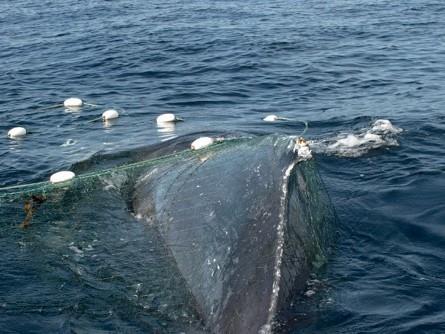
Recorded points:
222,66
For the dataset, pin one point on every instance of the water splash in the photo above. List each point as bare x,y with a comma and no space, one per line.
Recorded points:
381,133
69,142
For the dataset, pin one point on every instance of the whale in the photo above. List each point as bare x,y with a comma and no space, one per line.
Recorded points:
245,224
235,229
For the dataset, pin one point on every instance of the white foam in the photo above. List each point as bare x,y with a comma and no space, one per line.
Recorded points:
350,141
273,118
76,249
69,142
309,293
372,137
384,126
381,133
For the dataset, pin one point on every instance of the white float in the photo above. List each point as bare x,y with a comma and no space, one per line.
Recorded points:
73,102
167,118
17,132
202,142
62,176
110,114
271,118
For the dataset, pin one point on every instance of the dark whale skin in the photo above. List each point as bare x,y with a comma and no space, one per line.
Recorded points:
245,225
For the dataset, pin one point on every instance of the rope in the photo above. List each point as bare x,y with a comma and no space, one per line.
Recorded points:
17,191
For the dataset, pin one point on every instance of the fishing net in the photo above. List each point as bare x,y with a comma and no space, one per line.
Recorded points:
187,239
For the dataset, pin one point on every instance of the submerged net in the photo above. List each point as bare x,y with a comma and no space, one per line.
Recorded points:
167,234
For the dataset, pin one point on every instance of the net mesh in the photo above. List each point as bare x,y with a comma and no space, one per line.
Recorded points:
207,216
87,181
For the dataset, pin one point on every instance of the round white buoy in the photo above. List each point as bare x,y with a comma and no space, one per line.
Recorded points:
109,114
202,142
73,102
17,132
167,118
271,118
62,176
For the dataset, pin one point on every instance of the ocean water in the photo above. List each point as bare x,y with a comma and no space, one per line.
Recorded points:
224,65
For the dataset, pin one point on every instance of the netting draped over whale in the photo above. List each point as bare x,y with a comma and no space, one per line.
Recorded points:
91,179
222,225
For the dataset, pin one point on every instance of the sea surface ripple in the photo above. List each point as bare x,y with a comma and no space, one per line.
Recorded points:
223,66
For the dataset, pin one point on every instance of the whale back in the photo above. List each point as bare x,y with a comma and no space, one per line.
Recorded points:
239,223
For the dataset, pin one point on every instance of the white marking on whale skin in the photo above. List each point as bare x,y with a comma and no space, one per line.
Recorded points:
266,328
148,175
